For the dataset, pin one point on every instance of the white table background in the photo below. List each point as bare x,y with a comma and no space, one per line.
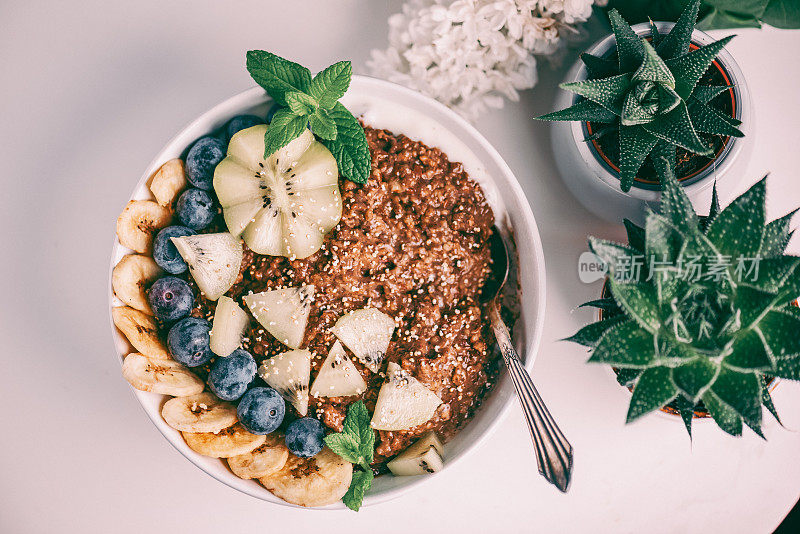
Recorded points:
90,91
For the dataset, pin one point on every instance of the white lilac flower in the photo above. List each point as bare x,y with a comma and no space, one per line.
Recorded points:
470,54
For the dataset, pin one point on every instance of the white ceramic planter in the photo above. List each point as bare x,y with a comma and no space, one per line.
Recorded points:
386,105
596,185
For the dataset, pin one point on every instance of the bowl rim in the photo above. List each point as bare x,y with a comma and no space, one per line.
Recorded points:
537,304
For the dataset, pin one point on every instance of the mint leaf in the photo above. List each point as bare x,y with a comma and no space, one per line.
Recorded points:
356,444
345,446
322,124
301,103
350,146
357,425
276,75
331,84
285,127
362,481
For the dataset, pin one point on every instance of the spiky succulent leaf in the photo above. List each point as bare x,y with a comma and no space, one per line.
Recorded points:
766,400
689,67
607,304
780,330
663,245
663,156
706,93
663,240
598,67
776,236
773,274
753,304
694,377
708,120
714,209
655,35
686,409
679,38
635,144
788,368
627,346
749,352
676,128
742,393
611,253
630,49
675,204
790,289
653,390
653,68
608,92
628,377
590,334
635,235
639,302
698,248
738,230
585,110
725,416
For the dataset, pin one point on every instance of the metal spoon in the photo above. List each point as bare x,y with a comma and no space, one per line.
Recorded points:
553,451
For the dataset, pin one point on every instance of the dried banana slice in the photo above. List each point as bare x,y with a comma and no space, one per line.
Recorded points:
139,221
131,276
267,459
232,441
199,413
166,377
316,481
168,181
141,331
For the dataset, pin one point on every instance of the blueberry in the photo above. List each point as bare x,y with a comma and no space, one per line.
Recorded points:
304,437
164,252
261,410
171,298
195,208
272,111
230,376
201,160
188,341
240,122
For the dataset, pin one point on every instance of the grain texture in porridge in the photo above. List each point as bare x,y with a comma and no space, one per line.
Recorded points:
412,242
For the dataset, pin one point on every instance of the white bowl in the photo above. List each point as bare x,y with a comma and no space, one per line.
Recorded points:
390,106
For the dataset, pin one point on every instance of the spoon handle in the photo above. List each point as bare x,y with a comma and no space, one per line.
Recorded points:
553,451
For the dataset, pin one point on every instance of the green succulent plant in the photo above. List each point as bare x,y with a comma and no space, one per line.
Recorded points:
650,96
694,329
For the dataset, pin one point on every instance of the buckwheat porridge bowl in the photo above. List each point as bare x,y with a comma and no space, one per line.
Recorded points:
371,316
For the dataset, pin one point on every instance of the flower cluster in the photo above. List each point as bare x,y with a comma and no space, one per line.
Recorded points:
469,54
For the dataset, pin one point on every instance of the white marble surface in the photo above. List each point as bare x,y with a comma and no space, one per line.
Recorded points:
90,91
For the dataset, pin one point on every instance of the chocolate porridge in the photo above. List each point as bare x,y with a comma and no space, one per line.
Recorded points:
412,242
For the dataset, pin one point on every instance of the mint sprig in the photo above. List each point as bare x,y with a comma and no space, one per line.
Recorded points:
312,102
350,146
285,127
331,84
276,75
356,444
